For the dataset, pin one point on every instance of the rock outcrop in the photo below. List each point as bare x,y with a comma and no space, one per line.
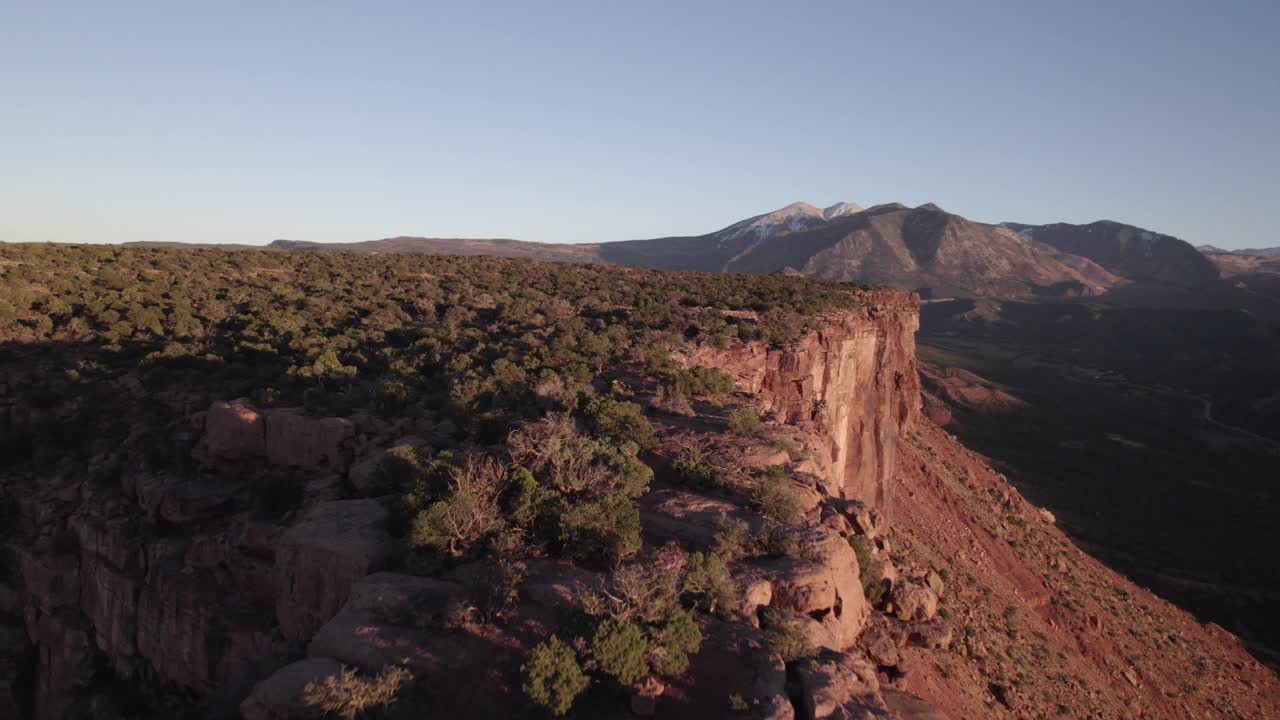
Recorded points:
284,436
822,584
854,381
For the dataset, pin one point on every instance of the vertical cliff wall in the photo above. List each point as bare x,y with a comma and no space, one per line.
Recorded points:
853,383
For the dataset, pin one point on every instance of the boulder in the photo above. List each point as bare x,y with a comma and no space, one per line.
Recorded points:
837,521
839,685
934,581
822,584
364,475
864,520
808,495
294,439
319,560
935,634
913,602
753,592
234,431
279,697
880,644
760,457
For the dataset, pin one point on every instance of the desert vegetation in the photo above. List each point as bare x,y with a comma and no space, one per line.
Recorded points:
481,341
526,374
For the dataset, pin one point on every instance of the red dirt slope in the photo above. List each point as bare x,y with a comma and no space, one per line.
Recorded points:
1042,629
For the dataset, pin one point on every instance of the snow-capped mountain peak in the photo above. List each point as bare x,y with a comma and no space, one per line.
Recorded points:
841,209
794,217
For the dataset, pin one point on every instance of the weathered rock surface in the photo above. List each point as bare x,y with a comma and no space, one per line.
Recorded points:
285,436
822,584
734,660
279,697
235,431
690,518
295,439
912,601
556,585
319,559
907,706
839,686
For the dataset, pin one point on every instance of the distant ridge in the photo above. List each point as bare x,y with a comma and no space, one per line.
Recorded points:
1262,252
205,246
925,248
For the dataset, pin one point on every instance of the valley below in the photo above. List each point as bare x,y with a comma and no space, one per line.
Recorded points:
1141,476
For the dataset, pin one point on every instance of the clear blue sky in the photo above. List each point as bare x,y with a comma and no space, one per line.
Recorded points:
587,121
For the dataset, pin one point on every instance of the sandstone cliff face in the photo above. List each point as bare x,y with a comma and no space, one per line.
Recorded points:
854,382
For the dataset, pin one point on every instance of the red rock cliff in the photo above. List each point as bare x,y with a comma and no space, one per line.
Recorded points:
853,382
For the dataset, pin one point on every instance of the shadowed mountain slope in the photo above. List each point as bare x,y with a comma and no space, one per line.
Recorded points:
1132,252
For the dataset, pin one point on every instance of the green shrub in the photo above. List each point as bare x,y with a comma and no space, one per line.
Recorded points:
691,466
453,524
705,381
572,464
398,467
619,648
492,587
620,421
785,635
706,582
646,591
673,402
673,643
744,421
552,676
868,569
523,496
631,476
601,531
392,397
470,510
733,539
794,452
779,541
771,497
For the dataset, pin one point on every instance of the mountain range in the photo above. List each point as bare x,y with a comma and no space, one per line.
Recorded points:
1265,252
925,248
